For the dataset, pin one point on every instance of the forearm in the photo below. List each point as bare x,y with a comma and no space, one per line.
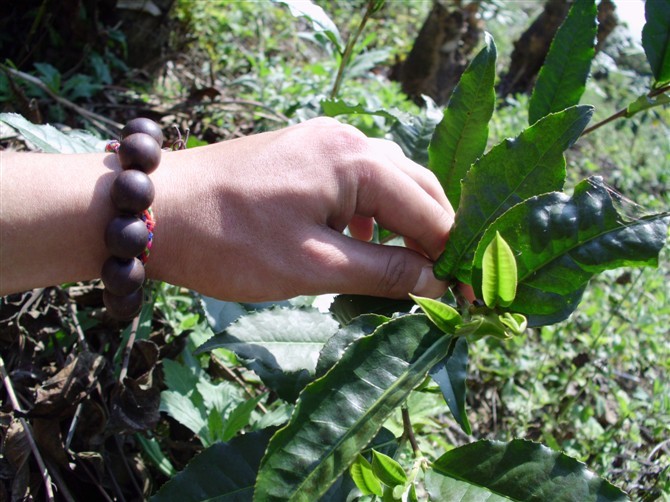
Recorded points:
54,211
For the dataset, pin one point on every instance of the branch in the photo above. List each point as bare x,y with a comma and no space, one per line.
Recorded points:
624,111
409,431
100,121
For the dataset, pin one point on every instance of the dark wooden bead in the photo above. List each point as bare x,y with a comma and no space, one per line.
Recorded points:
126,236
122,277
139,151
132,191
124,307
146,126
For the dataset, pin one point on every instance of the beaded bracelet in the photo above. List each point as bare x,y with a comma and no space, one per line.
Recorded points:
129,235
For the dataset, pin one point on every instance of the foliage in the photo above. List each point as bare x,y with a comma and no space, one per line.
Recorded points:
366,376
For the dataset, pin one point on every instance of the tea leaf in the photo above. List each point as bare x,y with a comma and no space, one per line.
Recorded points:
563,75
519,470
498,273
560,242
338,414
460,138
510,172
656,38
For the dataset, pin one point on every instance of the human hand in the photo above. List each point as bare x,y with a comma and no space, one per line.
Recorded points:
261,218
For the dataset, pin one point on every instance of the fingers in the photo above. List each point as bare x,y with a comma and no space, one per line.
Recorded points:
343,265
406,200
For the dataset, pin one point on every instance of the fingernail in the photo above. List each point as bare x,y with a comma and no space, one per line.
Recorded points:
428,285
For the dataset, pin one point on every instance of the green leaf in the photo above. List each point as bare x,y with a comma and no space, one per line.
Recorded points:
239,417
332,351
184,411
656,38
321,23
388,470
498,273
338,414
442,315
414,136
224,471
153,450
562,78
510,172
366,481
178,377
450,374
281,345
523,471
336,107
560,242
645,102
49,139
345,308
460,138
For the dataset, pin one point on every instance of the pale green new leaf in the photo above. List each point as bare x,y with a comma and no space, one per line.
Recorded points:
338,414
366,481
460,138
656,38
442,315
562,78
387,470
498,273
519,470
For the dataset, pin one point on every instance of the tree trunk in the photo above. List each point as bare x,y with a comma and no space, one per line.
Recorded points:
440,52
532,48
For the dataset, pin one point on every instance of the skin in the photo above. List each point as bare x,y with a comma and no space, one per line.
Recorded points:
253,219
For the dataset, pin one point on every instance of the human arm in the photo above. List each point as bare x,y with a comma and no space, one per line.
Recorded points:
253,219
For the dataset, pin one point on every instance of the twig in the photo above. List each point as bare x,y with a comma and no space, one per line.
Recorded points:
239,381
29,433
409,431
73,426
128,349
100,121
663,445
623,112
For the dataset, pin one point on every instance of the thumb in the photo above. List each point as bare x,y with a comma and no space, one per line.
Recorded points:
351,266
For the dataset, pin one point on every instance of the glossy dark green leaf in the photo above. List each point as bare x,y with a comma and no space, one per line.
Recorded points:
450,375
560,242
338,414
442,315
345,308
415,135
224,471
460,138
498,273
523,471
332,351
656,38
365,479
562,78
266,343
510,172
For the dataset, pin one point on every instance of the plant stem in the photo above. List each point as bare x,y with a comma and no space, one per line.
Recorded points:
409,432
349,49
623,112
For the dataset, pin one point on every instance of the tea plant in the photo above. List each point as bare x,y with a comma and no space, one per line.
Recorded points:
526,247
